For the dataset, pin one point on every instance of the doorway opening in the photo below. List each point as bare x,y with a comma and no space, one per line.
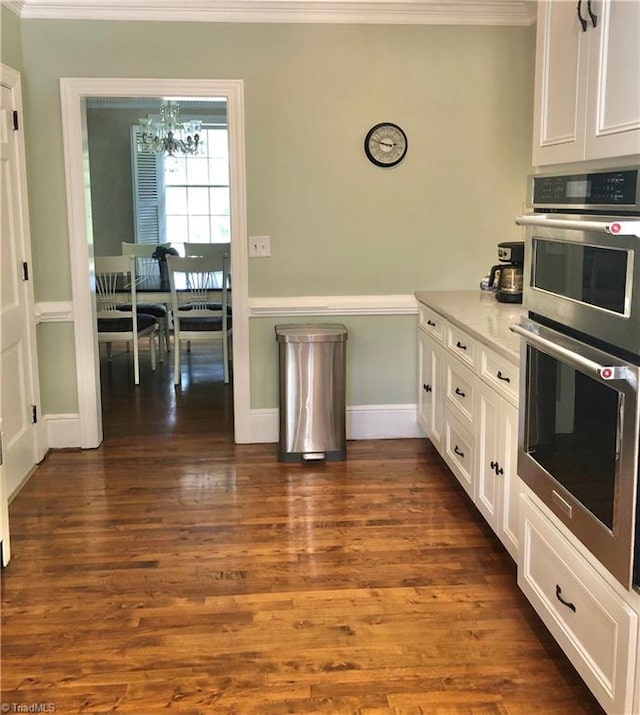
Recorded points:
75,93
144,196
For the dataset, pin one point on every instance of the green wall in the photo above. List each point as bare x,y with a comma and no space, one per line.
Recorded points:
378,352
10,39
338,225
112,213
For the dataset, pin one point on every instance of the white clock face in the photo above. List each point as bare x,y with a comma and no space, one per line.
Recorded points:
385,144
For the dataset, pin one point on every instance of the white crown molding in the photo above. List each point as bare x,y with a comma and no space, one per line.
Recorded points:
410,12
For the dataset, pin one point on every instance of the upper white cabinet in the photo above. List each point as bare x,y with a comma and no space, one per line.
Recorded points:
587,92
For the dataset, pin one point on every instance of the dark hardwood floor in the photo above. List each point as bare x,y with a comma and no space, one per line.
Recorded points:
173,571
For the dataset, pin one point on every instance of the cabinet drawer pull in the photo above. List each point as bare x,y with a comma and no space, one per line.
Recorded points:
592,15
459,392
426,388
461,346
458,452
431,323
568,604
500,376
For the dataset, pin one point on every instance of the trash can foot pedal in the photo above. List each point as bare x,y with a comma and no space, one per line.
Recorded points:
313,456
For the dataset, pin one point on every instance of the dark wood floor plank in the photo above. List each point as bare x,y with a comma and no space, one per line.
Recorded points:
172,570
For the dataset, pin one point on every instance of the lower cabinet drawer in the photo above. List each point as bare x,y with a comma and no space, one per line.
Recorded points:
460,384
596,629
459,451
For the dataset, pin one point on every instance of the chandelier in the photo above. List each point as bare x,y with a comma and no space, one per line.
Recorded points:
168,135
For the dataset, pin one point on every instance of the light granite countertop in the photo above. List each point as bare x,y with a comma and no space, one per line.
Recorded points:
481,315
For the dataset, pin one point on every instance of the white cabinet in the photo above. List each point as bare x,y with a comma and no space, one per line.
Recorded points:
459,451
430,394
596,628
460,390
467,407
498,484
587,89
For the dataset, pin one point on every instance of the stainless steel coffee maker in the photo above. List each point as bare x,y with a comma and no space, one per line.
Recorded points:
506,277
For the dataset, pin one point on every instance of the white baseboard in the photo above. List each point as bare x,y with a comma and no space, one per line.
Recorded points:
63,430
382,422
363,422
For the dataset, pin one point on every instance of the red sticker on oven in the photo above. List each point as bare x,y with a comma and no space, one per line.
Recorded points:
606,373
615,228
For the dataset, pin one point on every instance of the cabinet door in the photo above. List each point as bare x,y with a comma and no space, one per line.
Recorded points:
498,485
509,524
488,501
613,109
430,394
560,85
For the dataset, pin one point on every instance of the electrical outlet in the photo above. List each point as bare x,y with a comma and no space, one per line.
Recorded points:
259,246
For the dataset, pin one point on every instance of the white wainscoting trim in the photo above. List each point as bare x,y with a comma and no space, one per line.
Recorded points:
63,430
54,312
333,305
363,422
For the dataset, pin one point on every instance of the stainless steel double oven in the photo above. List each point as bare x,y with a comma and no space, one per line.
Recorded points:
580,409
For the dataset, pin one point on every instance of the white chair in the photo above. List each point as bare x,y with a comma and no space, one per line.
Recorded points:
115,288
148,276
212,250
200,308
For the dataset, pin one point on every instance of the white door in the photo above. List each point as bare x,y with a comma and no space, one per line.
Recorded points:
18,383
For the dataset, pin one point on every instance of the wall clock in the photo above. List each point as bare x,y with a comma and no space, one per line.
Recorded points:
385,144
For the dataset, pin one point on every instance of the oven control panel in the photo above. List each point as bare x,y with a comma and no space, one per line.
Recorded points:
604,190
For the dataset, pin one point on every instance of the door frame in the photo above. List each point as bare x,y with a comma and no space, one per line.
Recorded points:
74,91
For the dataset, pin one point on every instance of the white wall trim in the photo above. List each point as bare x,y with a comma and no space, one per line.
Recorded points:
54,312
333,305
63,430
382,422
363,422
436,12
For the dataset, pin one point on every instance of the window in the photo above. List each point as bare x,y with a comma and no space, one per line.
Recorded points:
197,192
184,198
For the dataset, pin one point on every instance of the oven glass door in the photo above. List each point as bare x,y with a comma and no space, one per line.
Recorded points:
595,275
573,432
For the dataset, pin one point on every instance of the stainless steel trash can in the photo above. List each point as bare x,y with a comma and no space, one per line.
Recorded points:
312,367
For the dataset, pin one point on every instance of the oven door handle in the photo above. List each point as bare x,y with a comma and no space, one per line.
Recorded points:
625,228
604,372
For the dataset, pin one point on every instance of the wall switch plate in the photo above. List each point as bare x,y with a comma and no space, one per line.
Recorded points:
259,246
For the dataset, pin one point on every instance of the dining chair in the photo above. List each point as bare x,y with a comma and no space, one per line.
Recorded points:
148,276
214,250
200,306
115,289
